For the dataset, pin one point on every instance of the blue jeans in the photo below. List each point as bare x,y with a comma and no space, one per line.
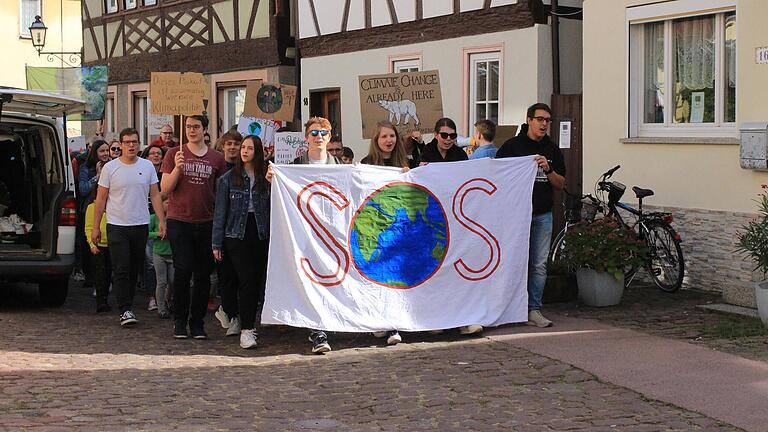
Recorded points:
541,236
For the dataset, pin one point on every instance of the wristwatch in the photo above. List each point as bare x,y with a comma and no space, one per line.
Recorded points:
549,171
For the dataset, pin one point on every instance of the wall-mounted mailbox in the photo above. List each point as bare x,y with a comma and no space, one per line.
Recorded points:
754,146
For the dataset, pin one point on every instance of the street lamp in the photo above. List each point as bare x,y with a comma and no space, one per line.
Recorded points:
38,30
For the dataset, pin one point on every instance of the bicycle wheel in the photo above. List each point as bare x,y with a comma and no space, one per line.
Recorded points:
665,257
554,260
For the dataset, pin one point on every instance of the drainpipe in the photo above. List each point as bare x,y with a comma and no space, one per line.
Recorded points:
555,49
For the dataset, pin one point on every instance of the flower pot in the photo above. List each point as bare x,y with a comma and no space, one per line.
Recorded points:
599,289
761,298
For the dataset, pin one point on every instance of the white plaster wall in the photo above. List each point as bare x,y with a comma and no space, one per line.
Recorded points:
682,175
522,84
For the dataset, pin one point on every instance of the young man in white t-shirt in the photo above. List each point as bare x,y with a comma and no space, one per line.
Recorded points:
124,185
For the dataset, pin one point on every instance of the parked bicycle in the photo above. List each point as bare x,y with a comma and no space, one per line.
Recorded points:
664,260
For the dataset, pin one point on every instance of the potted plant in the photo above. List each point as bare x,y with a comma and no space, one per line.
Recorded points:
753,242
602,251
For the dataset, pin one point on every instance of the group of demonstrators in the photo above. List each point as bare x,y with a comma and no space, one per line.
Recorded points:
210,210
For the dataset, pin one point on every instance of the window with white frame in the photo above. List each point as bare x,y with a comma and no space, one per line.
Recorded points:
110,6
108,128
140,104
29,9
683,76
150,2
484,70
231,102
406,65
130,4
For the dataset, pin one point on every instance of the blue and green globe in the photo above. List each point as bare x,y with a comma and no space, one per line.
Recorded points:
399,236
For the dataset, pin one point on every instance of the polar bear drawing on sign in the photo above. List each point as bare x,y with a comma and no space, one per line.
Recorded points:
400,108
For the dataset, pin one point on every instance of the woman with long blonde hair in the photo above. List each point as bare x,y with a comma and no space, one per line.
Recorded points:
386,149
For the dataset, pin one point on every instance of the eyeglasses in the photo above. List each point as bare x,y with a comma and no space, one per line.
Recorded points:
541,119
131,142
446,135
115,148
193,126
316,132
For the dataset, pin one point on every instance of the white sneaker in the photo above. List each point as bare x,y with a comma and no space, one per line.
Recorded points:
535,318
234,327
248,339
394,337
152,304
380,334
222,317
470,329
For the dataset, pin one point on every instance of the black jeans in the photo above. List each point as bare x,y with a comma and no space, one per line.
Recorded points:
192,258
249,258
126,248
102,274
228,286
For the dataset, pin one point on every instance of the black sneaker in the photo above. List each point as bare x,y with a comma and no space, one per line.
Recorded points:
319,342
164,315
180,330
198,332
128,318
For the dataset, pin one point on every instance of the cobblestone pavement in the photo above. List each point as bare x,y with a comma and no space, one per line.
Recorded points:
70,369
648,309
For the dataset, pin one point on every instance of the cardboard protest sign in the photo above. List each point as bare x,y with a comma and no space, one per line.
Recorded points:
289,146
269,101
175,93
262,128
410,100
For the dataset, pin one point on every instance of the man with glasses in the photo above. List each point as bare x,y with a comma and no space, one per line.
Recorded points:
335,147
124,185
166,138
189,179
534,141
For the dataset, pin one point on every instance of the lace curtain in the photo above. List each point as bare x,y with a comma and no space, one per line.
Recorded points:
694,51
654,73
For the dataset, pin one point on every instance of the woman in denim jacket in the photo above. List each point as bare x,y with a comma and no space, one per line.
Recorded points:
241,229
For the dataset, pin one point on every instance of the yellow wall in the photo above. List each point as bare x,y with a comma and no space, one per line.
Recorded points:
18,52
683,175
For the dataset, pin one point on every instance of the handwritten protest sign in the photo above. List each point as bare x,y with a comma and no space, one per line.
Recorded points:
262,128
269,101
410,100
175,93
289,146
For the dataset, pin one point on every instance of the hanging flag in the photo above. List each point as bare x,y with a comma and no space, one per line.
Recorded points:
365,248
88,83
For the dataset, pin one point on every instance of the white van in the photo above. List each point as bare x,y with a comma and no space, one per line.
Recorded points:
37,191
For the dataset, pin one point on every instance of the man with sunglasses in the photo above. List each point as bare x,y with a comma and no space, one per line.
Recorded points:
534,141
317,131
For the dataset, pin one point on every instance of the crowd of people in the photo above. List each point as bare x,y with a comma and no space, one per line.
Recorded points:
174,215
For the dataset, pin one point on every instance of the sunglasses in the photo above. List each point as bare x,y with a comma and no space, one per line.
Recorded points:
321,132
115,149
446,135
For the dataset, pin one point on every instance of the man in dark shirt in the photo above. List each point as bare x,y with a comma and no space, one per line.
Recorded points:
533,140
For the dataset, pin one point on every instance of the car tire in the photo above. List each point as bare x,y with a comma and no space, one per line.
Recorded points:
54,292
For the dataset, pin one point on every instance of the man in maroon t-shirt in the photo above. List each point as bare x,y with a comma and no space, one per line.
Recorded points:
189,179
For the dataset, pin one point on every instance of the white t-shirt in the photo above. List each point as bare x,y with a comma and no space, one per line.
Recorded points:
128,190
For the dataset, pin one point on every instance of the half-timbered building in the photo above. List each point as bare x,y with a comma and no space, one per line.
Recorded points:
494,56
229,41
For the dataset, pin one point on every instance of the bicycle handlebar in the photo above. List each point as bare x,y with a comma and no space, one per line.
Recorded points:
610,172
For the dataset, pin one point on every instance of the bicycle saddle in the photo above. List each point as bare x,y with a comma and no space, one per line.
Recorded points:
642,193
